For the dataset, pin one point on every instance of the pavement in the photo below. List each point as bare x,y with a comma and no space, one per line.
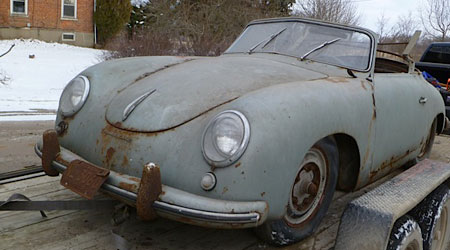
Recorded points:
441,149
17,140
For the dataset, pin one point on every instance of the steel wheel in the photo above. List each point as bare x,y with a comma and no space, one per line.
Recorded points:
433,216
440,232
405,235
308,189
310,196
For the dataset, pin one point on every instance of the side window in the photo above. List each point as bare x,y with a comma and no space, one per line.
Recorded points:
19,7
69,8
438,54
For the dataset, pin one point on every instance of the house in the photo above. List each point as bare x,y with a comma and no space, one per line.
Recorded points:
64,21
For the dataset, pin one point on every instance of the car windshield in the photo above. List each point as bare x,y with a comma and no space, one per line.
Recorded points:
343,47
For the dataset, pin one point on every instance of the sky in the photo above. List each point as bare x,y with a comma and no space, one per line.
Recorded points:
371,10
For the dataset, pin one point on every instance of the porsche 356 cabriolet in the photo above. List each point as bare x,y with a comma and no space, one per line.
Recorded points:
260,136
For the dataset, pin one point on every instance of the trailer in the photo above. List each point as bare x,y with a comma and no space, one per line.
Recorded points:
358,220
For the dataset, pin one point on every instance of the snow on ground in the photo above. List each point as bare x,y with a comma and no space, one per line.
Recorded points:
30,87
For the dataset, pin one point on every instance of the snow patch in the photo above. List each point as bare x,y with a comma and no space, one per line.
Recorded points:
36,74
280,238
405,230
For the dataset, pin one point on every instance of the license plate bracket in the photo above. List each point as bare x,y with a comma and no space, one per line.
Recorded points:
84,178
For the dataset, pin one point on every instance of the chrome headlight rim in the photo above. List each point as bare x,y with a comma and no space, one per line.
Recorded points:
242,147
87,86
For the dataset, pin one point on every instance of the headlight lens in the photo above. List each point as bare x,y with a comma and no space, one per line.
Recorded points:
74,96
225,138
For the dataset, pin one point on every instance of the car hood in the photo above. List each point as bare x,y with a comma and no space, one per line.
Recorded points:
182,92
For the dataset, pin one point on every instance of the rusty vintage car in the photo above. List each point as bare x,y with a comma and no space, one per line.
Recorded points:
259,137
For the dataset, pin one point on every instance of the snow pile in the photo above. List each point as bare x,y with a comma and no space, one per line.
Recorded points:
139,3
33,75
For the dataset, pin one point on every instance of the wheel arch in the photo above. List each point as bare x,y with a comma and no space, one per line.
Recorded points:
349,162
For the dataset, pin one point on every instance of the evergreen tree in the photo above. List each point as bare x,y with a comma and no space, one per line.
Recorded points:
110,17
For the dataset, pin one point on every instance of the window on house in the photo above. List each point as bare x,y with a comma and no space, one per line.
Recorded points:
68,37
69,8
19,6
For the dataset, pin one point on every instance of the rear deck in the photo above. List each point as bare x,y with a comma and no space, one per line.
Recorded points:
93,229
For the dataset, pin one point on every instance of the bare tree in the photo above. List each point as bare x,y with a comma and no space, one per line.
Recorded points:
382,27
339,11
396,38
435,18
404,28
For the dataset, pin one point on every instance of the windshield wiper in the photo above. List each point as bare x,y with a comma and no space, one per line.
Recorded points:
319,47
269,39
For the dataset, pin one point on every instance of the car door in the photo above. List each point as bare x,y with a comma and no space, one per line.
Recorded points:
402,119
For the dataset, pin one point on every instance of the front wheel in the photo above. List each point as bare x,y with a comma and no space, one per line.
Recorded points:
310,196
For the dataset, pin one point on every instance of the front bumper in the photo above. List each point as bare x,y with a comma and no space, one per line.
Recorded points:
173,203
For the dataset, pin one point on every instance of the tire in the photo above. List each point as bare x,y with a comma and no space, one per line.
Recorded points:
426,149
310,196
433,216
405,235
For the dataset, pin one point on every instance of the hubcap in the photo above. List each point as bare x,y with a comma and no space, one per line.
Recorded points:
308,188
413,246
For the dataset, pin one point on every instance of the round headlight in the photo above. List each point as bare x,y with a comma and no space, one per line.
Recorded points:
74,96
225,138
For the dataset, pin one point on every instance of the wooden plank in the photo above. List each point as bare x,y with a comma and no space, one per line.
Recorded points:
35,191
13,220
57,233
21,185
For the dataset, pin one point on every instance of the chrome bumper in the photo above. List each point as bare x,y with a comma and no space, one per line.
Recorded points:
177,204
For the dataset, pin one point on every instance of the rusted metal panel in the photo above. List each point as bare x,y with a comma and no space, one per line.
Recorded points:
84,178
49,151
189,208
149,190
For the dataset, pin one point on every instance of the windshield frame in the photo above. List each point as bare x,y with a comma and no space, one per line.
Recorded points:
367,32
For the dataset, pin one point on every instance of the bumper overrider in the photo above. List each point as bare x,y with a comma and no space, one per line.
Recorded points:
147,194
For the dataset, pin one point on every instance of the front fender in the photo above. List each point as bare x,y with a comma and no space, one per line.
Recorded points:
286,120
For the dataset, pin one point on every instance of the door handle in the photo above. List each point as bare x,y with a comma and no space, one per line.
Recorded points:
423,100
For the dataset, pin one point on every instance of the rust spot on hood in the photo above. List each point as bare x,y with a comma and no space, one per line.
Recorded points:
125,161
109,155
336,79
